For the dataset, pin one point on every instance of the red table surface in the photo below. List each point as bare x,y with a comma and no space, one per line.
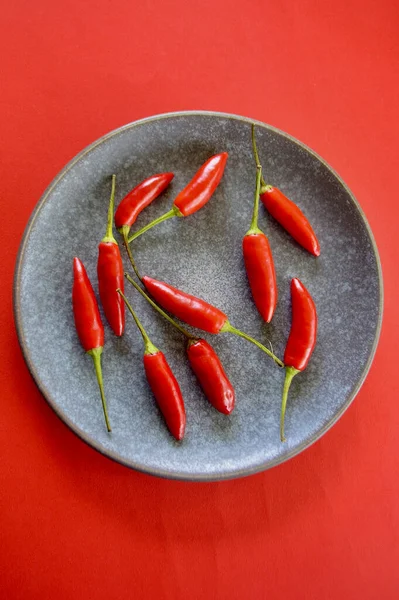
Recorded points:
324,525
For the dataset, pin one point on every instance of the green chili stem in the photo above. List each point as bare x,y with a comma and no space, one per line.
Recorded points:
149,346
227,327
124,231
95,353
173,212
254,223
255,150
109,235
290,373
159,309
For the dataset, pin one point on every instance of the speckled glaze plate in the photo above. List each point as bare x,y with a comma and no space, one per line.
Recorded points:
202,255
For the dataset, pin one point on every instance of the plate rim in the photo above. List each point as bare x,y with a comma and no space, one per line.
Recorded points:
163,473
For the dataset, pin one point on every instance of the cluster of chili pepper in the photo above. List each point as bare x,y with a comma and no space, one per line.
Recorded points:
202,357
189,309
262,276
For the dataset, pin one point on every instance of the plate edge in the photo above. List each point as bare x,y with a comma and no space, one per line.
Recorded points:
199,477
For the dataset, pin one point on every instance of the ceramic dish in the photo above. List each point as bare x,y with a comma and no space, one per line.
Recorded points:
201,255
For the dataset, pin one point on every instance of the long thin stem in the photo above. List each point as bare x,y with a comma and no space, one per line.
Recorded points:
149,346
109,235
255,150
159,309
129,253
254,223
227,327
290,373
173,212
96,356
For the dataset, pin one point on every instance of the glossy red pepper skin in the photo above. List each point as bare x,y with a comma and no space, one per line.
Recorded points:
290,216
202,186
191,310
139,198
167,393
110,274
212,377
303,334
261,273
87,317
301,341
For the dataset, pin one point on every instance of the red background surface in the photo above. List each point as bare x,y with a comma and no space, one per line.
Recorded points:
75,525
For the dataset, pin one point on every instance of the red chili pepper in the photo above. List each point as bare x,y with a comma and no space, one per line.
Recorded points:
288,214
301,341
167,392
196,194
261,273
258,260
162,382
110,273
211,375
131,206
88,323
139,198
197,312
204,362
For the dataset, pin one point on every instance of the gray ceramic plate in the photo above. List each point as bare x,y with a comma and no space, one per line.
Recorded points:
202,255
